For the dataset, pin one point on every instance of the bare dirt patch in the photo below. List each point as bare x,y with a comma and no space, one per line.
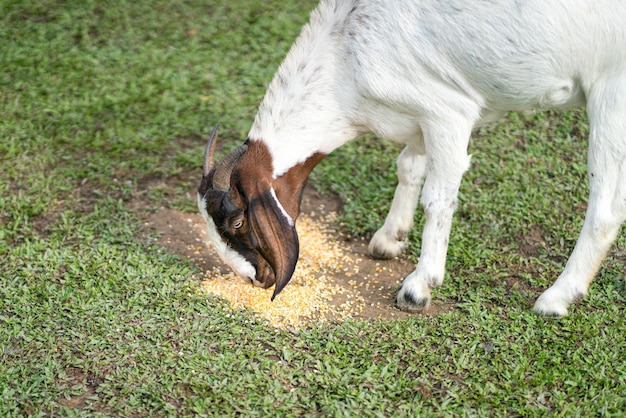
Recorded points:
364,281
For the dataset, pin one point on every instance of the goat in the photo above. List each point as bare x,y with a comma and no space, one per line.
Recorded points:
423,73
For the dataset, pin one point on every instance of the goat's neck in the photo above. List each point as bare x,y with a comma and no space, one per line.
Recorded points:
306,112
298,124
295,125
307,107
254,174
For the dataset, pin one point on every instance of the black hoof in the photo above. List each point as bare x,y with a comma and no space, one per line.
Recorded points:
408,302
377,254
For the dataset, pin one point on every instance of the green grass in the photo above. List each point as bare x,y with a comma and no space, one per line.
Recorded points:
101,102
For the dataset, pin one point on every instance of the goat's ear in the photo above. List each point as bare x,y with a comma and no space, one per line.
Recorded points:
273,234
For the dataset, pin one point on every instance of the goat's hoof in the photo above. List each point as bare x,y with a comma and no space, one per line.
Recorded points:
381,255
408,301
383,247
550,312
551,304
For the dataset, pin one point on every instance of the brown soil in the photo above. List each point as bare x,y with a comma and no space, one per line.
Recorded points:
184,234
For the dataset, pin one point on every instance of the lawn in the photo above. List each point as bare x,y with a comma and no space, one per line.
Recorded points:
104,110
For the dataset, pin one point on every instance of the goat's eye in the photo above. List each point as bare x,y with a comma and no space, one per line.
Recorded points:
238,223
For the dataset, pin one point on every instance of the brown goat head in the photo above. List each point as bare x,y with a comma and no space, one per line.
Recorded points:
251,215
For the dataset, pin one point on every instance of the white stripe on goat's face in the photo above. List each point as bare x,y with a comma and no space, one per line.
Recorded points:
288,218
232,258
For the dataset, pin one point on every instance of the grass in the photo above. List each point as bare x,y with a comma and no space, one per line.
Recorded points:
103,108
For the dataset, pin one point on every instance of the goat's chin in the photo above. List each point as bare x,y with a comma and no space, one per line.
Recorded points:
253,281
265,276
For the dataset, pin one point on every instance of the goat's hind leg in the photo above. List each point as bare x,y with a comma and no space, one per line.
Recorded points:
391,239
606,210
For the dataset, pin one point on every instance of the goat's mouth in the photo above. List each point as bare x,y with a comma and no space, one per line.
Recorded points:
247,262
264,273
265,276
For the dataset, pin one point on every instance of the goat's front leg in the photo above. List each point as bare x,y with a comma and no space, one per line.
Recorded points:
391,239
447,161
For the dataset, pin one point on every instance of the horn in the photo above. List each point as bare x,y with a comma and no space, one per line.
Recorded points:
221,178
209,153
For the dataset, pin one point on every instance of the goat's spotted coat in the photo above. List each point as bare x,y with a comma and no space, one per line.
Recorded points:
425,73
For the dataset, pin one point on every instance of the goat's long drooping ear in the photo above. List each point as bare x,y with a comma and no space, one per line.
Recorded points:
273,233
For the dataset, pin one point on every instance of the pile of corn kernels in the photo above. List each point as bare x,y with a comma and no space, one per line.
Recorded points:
311,294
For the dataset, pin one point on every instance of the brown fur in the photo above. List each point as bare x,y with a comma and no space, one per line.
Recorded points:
272,235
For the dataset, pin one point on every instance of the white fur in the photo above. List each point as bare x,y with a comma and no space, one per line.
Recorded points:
280,206
425,73
231,257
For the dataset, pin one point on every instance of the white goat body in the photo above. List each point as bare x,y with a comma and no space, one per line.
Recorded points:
425,74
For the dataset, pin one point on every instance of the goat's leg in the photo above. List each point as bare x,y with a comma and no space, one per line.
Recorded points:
446,151
391,239
606,209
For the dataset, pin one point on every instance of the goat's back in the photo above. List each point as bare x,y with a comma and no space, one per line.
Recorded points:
508,55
